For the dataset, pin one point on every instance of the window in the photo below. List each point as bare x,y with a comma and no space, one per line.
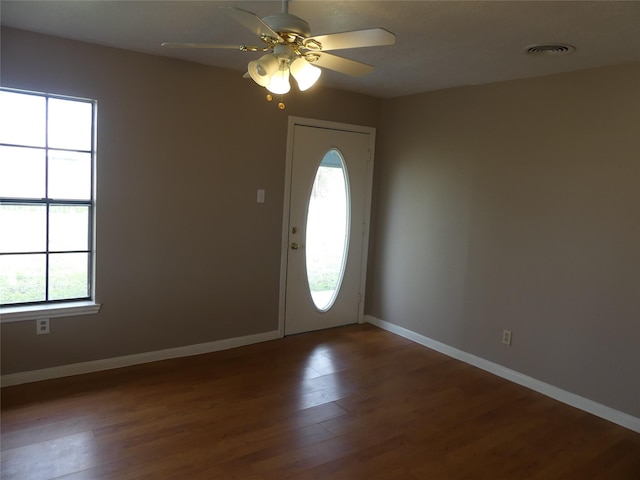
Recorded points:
47,157
327,232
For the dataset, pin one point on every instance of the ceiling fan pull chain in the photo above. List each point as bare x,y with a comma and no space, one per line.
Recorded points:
281,104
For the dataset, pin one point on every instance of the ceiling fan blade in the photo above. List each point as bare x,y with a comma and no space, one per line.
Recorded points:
373,37
252,22
202,45
342,65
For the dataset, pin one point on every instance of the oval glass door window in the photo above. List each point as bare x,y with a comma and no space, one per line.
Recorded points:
327,232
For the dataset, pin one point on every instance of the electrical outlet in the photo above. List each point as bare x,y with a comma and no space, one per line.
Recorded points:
506,337
42,326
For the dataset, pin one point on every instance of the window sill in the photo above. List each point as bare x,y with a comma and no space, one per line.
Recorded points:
36,312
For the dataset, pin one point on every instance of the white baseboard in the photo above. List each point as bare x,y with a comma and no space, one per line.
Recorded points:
602,411
128,360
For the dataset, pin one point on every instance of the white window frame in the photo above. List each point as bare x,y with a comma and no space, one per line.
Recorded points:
36,311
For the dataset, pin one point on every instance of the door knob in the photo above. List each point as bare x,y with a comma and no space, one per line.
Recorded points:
295,246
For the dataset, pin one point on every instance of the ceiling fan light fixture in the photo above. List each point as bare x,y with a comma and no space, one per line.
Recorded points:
292,51
279,83
306,75
263,69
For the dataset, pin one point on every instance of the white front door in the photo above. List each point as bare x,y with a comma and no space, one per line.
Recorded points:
326,227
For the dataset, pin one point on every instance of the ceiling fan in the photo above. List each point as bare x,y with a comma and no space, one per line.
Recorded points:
292,50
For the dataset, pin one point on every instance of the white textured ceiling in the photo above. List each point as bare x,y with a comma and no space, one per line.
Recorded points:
440,44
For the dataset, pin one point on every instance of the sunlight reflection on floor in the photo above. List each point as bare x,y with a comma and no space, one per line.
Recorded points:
321,382
55,458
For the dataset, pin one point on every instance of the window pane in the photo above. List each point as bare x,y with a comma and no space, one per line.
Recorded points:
46,165
23,227
22,172
70,124
68,228
69,175
22,278
22,119
327,232
68,276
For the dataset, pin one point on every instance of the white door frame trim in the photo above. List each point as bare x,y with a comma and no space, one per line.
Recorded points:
309,122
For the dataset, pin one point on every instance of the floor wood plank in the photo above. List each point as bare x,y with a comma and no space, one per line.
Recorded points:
348,403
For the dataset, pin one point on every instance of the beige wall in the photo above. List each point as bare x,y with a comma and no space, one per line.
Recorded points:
185,254
517,206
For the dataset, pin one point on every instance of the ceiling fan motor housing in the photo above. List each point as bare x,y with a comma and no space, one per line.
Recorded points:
284,51
285,22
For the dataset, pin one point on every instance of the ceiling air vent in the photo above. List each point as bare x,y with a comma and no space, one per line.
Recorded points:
553,49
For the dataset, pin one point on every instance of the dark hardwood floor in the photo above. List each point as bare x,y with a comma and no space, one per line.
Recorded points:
348,403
